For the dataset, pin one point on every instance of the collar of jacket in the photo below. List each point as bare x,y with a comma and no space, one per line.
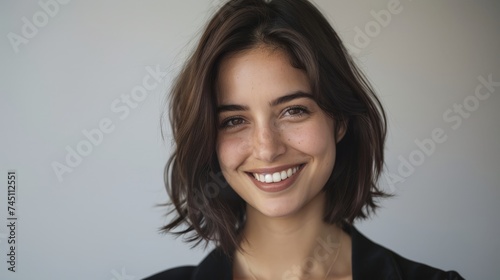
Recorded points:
382,265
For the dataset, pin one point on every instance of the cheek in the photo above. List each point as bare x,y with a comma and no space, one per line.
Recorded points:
314,138
231,151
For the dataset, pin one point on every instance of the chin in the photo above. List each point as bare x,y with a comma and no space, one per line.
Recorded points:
278,208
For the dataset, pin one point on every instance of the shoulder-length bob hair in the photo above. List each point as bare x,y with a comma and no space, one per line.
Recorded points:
203,204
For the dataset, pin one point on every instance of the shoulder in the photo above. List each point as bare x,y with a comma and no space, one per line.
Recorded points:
386,264
216,266
369,261
414,270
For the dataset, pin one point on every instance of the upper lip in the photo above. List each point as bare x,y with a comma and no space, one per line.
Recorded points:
271,170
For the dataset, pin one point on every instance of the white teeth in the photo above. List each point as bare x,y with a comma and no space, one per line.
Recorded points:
261,178
277,176
283,175
269,178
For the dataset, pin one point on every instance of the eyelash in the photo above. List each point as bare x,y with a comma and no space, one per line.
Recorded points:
297,107
225,123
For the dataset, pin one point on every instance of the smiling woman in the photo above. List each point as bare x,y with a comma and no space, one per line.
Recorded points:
271,133
271,100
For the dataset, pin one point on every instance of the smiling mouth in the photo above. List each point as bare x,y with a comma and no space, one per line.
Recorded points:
276,177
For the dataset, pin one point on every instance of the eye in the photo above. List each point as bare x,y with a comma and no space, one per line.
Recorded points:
232,122
296,111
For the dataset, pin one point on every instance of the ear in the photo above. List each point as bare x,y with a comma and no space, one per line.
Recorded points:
340,129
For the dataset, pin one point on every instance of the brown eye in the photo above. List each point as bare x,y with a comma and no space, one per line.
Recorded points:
296,111
232,122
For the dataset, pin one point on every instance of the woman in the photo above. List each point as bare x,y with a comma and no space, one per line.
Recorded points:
279,144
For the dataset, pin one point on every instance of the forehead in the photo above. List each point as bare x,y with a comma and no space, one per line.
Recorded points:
261,71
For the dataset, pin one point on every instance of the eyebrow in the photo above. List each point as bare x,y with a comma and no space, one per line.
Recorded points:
276,102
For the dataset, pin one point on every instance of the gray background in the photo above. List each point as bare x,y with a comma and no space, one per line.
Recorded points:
100,222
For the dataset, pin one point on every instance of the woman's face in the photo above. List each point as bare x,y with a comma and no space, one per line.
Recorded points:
275,146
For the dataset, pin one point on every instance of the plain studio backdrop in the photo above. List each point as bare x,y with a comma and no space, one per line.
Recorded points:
83,85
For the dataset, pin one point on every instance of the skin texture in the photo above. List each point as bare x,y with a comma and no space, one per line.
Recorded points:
282,227
264,136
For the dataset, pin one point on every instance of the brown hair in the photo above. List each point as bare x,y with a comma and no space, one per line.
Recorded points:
202,200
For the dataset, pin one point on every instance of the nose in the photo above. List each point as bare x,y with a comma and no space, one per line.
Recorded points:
267,142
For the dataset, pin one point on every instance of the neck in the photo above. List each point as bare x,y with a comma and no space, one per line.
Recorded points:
298,245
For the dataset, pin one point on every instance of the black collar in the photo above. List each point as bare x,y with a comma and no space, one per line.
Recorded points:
369,261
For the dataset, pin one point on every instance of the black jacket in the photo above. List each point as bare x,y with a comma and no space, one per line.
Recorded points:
369,261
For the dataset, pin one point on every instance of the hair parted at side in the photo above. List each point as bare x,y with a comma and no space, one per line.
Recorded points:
204,205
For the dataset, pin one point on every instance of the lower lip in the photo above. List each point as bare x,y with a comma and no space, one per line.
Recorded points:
276,187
